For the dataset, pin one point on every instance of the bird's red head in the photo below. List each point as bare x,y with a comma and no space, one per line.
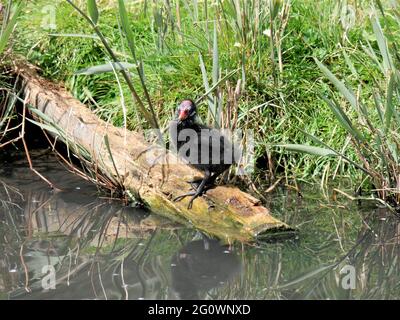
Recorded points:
186,110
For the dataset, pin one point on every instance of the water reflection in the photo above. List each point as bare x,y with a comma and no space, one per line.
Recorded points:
97,248
100,249
202,265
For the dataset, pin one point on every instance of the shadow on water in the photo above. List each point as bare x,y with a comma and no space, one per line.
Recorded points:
88,247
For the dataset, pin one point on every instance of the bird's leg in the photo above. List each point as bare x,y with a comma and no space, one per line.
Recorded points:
199,191
195,183
213,177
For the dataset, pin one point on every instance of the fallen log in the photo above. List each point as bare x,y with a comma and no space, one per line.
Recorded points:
121,154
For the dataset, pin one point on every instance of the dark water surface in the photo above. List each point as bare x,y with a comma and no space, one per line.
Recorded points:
89,247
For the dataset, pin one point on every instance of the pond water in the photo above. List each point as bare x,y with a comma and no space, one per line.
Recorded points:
73,244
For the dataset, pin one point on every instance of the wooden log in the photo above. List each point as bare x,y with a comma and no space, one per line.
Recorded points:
233,216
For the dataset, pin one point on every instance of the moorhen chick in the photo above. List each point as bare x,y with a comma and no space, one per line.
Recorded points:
202,147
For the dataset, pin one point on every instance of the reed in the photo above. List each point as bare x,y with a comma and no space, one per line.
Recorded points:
370,121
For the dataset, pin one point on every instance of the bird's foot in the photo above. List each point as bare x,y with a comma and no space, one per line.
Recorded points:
195,183
193,194
200,186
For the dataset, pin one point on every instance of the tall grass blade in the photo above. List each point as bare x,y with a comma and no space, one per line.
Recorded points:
371,53
131,44
347,93
316,151
107,144
307,276
206,85
316,140
383,48
42,115
206,94
126,28
378,103
215,68
107,67
6,113
389,104
4,37
196,10
47,127
239,22
349,63
74,35
274,8
215,73
344,121
93,11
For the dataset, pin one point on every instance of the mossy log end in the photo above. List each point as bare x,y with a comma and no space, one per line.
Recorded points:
233,216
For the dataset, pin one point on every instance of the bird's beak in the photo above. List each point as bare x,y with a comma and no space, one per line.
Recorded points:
183,115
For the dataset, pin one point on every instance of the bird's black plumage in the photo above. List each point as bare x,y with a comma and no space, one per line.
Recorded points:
202,147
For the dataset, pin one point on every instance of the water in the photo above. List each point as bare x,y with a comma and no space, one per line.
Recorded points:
88,247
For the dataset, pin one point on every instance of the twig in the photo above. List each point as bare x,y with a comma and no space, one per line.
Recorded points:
22,136
27,289
388,206
271,188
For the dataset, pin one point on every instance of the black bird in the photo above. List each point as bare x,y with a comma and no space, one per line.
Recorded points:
204,148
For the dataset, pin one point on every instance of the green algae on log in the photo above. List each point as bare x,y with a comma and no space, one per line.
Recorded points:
224,212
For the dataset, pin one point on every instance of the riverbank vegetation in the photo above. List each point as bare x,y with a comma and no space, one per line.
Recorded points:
274,67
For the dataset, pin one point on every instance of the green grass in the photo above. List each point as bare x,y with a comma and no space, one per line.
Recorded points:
172,69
